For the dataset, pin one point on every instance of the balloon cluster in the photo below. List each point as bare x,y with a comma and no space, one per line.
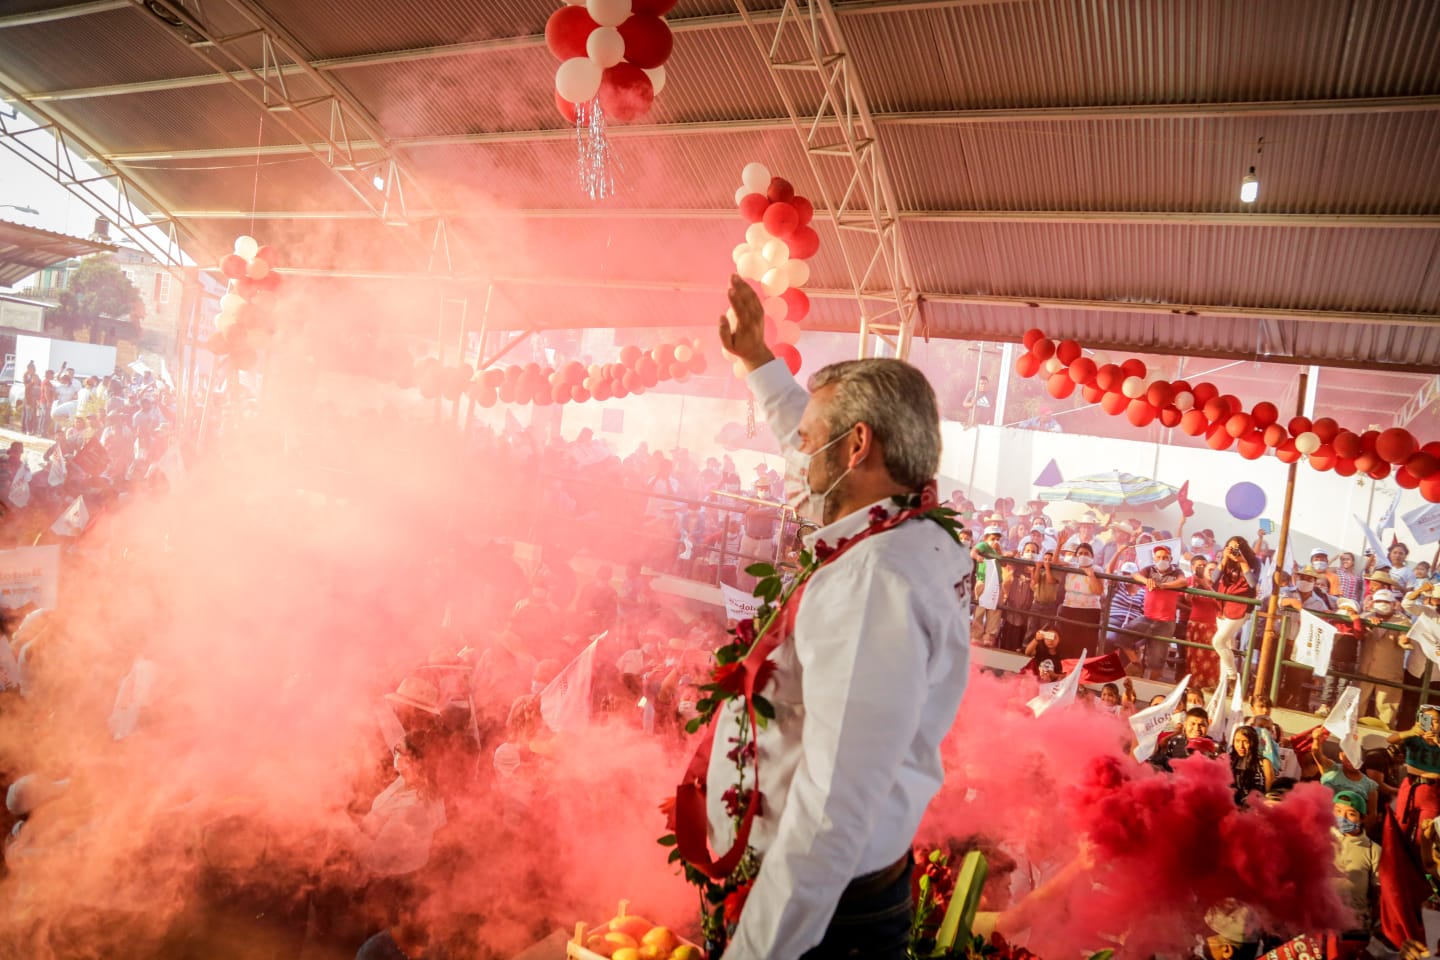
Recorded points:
611,49
1202,410
245,322
572,382
773,257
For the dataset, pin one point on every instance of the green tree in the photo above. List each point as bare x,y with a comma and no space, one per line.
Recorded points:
100,299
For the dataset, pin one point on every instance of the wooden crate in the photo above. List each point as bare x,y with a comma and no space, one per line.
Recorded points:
575,948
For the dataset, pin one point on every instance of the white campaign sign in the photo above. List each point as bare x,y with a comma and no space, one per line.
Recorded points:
1145,552
1314,642
1149,723
739,605
30,575
1060,693
1341,724
1424,523
1425,634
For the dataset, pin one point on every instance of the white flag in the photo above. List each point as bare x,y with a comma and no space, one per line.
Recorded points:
1371,539
173,466
20,488
1424,523
134,695
990,596
739,605
1265,583
73,521
565,701
1062,692
1225,715
1314,642
1425,634
1387,520
1149,723
57,469
1341,724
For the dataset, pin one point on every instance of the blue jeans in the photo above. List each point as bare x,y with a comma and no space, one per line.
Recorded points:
869,923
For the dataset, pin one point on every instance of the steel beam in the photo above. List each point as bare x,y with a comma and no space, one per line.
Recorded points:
61,13
1108,217
765,125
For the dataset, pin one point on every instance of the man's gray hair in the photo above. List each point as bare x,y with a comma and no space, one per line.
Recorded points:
898,403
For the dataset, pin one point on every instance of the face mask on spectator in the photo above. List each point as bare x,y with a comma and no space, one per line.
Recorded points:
1385,609
1084,561
1347,826
1068,559
1305,586
1320,565
1162,564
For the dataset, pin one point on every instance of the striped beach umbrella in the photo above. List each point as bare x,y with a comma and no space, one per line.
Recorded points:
1112,489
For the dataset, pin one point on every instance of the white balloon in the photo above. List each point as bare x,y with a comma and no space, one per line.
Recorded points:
1133,387
1053,365
657,78
578,79
1307,443
224,322
230,304
247,246
608,13
797,272
738,254
757,236
776,253
605,46
1184,400
256,269
752,266
774,282
756,176
776,308
741,193
787,331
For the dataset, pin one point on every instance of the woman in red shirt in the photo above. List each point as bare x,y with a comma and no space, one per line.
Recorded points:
1203,664
1239,570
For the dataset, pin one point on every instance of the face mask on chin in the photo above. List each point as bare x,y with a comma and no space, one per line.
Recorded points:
1347,826
808,504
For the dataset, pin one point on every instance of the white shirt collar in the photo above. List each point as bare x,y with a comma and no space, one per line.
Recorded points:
848,525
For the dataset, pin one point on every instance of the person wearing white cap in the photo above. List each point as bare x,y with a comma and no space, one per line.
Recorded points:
986,621
1382,657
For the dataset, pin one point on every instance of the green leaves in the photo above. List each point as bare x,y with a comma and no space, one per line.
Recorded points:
669,840
770,588
761,571
764,710
695,724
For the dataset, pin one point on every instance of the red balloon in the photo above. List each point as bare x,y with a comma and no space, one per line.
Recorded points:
1323,458
1406,479
1367,461
1239,424
1092,394
1325,428
630,380
513,374
1232,403
1194,422
574,372
1396,445
804,243
781,191
648,40
1134,368
269,255
1368,440
698,363
1109,377
806,209
1032,336
603,391
1380,472
1218,437
1160,394
1265,413
789,354
650,376
1139,412
798,302
1286,452
562,392
1204,393
753,206
664,354
618,389
271,281
1060,385
1251,445
781,219
1043,349
1422,464
629,354
567,30
1181,386
1432,448
677,371
1082,370
233,266
1345,466
1170,416
1430,488
1299,425
1275,435
1215,410
1026,366
1114,403
1068,351
1347,444
626,93
655,8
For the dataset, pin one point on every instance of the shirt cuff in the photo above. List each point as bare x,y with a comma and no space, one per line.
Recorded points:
770,379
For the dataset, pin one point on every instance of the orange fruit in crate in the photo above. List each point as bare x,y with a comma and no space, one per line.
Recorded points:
618,941
661,939
595,943
687,952
652,952
632,926
626,953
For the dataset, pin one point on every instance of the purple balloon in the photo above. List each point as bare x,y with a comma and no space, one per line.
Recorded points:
1245,501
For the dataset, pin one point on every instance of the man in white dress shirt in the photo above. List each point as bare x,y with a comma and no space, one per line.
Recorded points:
870,682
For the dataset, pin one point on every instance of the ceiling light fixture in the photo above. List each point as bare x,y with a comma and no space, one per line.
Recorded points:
379,182
1250,184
